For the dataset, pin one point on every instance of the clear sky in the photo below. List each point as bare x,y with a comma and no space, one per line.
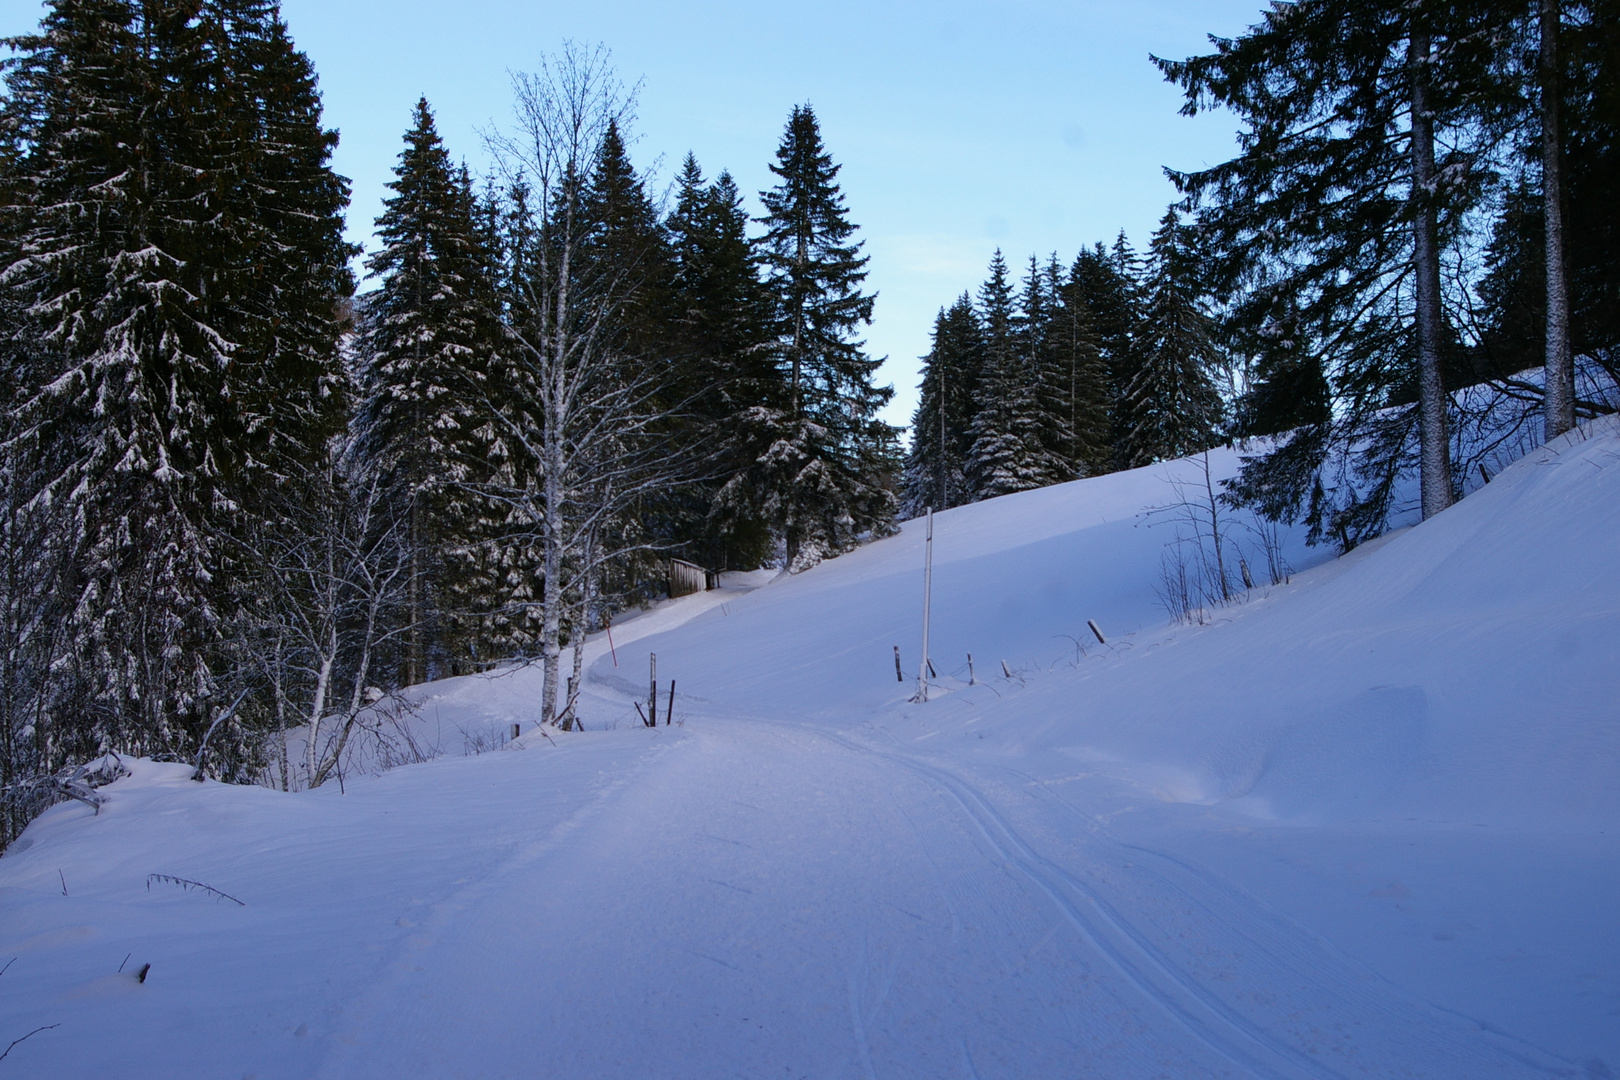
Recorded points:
1037,126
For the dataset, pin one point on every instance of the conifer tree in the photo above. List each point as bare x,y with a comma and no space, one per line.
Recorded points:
1347,219
941,429
1172,407
428,353
996,454
829,471
1287,388
1048,374
725,376
136,430
1106,282
625,242
1076,380
1008,453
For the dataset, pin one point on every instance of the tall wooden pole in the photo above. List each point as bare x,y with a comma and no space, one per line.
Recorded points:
928,589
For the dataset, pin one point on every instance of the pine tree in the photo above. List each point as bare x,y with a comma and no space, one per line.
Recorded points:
428,352
829,470
1077,377
941,429
625,243
725,374
1106,282
1346,220
1008,453
1172,406
138,432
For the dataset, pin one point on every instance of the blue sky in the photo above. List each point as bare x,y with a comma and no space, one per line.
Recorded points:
1035,126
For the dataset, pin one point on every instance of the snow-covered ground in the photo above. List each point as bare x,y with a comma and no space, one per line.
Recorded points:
1361,824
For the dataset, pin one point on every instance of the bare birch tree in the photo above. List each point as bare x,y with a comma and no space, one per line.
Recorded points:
586,438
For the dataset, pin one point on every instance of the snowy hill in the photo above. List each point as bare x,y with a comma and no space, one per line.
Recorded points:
1359,824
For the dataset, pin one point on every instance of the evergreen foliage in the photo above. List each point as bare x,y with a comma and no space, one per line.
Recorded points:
428,350
724,369
827,476
1075,377
1328,213
173,268
941,429
1172,407
1010,450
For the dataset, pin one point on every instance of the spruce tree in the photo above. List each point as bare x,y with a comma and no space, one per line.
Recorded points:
1106,283
726,378
935,472
1287,388
1076,382
1347,220
1053,434
1007,452
996,453
1172,407
828,474
428,351
137,429
625,244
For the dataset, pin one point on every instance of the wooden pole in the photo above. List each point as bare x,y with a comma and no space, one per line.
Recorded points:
899,676
1093,624
669,713
652,689
928,589
971,679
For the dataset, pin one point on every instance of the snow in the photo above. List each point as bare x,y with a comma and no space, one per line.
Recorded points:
1360,824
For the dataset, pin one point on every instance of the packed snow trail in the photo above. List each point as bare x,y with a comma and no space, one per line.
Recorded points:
1362,826
769,899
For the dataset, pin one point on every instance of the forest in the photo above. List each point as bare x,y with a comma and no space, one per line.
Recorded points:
251,489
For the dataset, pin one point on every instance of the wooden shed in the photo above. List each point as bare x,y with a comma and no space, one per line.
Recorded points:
686,578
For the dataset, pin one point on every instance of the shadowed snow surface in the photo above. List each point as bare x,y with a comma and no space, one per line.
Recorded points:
1360,824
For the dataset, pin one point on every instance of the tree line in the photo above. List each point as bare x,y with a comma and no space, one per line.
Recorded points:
243,503
1422,202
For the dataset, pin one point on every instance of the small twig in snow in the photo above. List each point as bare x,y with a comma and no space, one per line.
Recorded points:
188,885
30,1035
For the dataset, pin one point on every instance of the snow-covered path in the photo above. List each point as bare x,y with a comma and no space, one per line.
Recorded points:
1378,854
771,899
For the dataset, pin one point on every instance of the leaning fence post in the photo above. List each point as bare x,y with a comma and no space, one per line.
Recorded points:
899,676
669,713
1093,624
